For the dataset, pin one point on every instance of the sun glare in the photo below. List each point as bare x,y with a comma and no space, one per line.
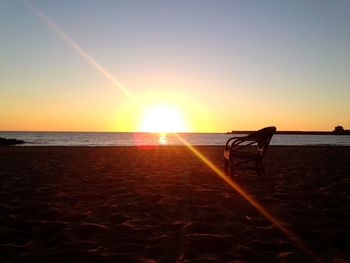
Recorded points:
162,118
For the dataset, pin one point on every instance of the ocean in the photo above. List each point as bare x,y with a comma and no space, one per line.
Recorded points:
154,139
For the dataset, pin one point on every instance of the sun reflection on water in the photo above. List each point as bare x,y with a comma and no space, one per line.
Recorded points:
163,140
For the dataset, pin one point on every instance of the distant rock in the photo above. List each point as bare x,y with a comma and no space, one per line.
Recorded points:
8,142
339,130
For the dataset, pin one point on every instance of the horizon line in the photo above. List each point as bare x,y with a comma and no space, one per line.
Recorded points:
224,132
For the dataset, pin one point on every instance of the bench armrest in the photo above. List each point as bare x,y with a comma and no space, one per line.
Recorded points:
237,143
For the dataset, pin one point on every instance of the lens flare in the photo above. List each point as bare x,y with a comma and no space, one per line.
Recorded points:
243,193
84,55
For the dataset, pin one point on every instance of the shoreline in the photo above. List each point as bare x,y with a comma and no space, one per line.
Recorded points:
165,146
144,139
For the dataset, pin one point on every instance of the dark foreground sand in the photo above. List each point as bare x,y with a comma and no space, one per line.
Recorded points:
129,204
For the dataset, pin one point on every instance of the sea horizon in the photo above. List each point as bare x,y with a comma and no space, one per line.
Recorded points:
65,138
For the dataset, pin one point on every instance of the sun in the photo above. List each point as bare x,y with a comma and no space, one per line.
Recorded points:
162,118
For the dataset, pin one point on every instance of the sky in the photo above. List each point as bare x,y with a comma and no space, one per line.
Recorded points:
223,65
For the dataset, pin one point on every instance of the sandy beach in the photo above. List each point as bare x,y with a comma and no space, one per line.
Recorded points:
162,204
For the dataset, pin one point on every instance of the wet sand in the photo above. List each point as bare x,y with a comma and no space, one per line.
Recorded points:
162,204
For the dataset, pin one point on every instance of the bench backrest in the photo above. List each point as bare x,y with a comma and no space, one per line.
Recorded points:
263,137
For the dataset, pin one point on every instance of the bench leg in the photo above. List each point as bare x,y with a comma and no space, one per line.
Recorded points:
260,170
227,166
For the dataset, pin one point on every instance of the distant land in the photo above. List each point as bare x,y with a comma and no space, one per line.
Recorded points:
297,132
338,130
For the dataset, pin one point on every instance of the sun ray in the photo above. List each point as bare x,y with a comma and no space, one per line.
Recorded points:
83,54
278,223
